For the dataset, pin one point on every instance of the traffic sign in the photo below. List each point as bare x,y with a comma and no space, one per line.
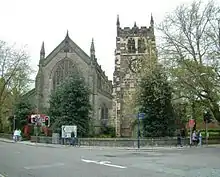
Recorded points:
191,123
141,115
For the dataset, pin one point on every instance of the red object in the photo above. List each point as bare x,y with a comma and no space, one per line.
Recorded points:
191,123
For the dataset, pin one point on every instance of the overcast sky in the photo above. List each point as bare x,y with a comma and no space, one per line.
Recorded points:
29,22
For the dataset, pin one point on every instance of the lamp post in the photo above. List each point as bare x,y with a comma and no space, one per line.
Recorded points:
116,117
14,122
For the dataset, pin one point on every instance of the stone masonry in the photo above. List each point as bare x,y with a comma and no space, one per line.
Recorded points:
132,46
55,67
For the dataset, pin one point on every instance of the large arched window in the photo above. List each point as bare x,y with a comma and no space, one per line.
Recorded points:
104,112
63,71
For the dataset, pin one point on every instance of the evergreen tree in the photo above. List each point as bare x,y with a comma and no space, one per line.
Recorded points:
155,102
22,109
70,105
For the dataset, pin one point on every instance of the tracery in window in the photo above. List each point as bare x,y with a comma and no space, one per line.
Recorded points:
131,45
104,115
141,46
62,72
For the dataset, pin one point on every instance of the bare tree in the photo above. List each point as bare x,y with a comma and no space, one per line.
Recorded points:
14,75
190,49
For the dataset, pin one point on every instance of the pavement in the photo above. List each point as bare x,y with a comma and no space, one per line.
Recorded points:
25,160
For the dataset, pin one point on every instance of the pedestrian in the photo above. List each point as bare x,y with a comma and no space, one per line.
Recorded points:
19,135
16,134
199,135
72,138
179,140
194,138
183,136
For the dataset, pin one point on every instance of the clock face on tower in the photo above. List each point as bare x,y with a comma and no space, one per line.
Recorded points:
135,65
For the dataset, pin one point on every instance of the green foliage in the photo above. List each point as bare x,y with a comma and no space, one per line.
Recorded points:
155,102
108,131
190,50
22,109
70,105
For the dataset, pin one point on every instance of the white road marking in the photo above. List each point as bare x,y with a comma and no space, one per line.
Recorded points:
105,163
44,166
2,175
116,166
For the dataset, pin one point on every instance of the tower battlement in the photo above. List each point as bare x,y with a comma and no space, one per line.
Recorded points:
135,31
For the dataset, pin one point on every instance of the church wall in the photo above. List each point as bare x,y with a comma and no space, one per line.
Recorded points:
49,69
101,87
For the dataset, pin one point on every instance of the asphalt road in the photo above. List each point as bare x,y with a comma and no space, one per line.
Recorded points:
19,160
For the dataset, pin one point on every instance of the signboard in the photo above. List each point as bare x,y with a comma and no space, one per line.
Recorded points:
141,115
191,123
36,118
39,118
67,130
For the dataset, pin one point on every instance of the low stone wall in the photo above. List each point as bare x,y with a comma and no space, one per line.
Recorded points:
122,142
6,136
115,142
127,142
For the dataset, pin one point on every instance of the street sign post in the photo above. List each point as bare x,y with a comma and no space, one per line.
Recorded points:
140,116
191,125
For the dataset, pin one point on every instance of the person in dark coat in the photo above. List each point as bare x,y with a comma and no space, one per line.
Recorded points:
179,139
72,138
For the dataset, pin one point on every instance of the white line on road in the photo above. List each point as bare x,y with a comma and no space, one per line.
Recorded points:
105,163
2,175
43,166
116,166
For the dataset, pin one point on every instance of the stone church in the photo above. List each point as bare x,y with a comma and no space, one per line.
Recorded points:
133,45
109,100
57,66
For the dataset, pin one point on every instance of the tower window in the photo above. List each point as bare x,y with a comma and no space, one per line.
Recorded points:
131,46
141,46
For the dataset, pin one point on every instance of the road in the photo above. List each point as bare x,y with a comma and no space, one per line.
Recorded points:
19,160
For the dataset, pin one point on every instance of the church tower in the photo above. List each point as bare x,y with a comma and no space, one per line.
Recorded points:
132,45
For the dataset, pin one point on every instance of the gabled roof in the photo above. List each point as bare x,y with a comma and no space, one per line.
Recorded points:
74,47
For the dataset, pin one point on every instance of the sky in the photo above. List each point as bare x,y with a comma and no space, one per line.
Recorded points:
30,22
